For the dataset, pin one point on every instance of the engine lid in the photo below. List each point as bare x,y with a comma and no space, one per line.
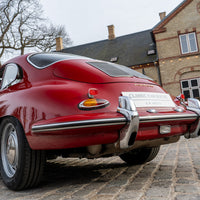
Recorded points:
97,72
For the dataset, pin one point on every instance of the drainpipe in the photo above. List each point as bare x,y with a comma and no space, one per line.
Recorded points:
158,71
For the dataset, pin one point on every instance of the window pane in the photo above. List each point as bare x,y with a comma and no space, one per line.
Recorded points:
10,75
184,46
116,70
193,44
186,93
194,83
185,84
195,93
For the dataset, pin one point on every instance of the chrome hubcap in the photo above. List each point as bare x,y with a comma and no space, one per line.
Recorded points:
9,150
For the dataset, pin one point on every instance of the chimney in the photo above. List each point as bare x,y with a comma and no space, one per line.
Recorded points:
162,15
111,32
59,44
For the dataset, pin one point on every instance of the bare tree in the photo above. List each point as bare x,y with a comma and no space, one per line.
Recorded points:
8,14
22,26
50,35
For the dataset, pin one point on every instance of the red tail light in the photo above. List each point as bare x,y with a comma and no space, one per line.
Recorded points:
92,92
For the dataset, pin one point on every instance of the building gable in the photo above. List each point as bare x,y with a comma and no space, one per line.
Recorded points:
160,27
185,20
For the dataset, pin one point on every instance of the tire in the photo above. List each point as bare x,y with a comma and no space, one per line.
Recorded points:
140,156
21,167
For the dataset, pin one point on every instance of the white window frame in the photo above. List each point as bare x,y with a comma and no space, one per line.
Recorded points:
188,43
190,88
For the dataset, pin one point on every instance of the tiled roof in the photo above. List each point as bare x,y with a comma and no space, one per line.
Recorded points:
129,49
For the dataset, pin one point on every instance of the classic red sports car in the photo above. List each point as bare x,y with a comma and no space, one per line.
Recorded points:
54,104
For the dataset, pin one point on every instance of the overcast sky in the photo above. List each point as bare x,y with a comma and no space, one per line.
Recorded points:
87,20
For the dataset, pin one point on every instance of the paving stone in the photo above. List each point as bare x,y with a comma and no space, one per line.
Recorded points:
134,187
184,174
185,181
128,195
187,197
156,198
161,184
184,169
163,175
186,188
158,192
109,190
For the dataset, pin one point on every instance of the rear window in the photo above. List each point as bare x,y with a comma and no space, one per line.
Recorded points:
116,70
43,60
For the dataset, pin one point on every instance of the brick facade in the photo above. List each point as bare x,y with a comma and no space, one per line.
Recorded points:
151,71
175,66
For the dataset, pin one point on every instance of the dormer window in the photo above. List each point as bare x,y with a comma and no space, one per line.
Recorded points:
114,59
151,52
188,43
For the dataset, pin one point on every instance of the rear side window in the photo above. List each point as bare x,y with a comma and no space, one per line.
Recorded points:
116,70
11,75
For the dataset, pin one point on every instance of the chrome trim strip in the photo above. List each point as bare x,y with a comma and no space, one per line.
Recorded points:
173,117
78,124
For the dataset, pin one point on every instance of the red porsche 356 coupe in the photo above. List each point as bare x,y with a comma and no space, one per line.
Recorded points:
54,104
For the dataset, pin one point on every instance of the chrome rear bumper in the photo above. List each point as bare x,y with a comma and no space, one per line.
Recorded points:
129,132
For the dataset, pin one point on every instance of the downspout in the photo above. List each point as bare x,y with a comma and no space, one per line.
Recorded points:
158,71
156,61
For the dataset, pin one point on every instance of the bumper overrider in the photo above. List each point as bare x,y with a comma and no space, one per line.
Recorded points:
129,132
194,105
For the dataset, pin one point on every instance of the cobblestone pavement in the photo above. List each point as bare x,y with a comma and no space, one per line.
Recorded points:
173,175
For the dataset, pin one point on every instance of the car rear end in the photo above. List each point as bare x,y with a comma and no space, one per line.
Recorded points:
153,118
111,104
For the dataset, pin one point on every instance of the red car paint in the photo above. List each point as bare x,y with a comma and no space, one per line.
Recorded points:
54,104
53,94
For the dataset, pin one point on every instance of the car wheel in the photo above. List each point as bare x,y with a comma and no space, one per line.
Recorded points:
20,166
140,156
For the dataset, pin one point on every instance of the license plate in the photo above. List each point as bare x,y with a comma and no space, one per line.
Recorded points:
150,99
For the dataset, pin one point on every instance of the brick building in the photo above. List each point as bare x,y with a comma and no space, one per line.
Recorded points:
177,39
168,53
